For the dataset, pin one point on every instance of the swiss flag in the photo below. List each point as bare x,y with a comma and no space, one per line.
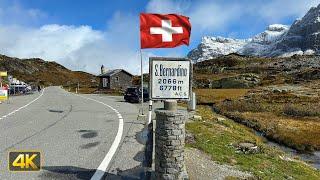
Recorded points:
164,30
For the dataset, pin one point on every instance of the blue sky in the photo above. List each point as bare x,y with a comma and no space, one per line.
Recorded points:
82,34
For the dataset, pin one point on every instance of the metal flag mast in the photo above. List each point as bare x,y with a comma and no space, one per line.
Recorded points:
141,81
142,99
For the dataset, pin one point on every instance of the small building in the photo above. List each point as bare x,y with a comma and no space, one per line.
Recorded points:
115,79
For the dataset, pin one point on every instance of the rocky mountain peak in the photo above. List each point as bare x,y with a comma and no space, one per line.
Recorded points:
304,34
302,37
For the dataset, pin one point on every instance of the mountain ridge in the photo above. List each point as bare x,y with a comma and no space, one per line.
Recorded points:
38,71
301,38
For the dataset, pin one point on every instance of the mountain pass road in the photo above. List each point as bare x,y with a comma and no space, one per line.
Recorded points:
79,136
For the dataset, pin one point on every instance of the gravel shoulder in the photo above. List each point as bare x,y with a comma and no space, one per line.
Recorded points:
200,166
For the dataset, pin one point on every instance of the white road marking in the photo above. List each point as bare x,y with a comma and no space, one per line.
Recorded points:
5,116
101,170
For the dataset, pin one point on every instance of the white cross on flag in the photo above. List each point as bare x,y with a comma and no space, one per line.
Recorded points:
164,31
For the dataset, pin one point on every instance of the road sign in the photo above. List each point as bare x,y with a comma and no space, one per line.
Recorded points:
170,78
3,73
3,94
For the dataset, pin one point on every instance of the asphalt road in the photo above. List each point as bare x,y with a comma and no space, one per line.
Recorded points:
80,136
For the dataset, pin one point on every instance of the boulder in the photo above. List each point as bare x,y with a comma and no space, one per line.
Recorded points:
240,81
248,148
197,118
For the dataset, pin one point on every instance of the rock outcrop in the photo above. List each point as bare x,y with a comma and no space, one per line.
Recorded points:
304,34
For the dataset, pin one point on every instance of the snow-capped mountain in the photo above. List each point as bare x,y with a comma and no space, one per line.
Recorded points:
303,37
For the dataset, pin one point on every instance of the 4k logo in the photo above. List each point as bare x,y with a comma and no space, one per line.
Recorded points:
24,161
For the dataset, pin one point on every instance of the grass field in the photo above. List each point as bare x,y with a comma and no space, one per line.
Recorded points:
217,138
210,96
284,117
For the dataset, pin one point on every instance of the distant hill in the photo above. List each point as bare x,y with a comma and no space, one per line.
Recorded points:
35,70
238,71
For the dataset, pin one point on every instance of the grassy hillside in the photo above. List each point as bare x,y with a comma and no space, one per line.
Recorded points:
276,96
219,137
37,71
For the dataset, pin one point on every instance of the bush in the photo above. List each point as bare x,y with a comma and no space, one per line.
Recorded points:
241,106
301,110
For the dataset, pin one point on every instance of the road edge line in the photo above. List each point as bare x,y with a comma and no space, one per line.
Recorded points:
16,110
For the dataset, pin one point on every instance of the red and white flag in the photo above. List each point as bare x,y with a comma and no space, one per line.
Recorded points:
164,30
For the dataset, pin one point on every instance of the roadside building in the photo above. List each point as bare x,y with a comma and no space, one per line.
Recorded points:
115,79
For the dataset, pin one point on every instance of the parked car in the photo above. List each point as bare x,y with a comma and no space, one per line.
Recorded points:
133,94
20,88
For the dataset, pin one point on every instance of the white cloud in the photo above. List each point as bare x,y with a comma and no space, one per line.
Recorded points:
276,10
77,47
204,14
81,47
213,16
219,14
168,6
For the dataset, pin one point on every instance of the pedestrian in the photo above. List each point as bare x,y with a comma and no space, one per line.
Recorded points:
39,88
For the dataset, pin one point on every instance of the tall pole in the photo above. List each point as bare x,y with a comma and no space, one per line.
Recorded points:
141,82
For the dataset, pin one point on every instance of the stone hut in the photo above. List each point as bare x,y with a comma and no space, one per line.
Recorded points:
115,79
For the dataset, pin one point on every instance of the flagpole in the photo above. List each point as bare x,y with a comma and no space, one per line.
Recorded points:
141,81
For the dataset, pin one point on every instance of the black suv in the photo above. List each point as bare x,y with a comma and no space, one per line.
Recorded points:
133,94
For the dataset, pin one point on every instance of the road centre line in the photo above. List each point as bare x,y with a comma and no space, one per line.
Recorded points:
11,113
101,170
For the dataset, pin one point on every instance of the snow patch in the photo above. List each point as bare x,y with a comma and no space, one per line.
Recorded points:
309,52
289,54
211,47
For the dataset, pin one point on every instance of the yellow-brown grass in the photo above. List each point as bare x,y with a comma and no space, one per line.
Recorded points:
302,134
210,96
214,76
287,118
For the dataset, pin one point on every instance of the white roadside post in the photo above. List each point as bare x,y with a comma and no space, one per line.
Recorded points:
150,112
192,103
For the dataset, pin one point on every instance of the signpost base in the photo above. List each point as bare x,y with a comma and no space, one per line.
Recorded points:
170,142
170,105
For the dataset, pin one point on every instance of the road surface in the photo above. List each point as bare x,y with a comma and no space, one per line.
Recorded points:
80,136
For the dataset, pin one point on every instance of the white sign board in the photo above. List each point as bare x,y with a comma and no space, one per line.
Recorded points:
170,78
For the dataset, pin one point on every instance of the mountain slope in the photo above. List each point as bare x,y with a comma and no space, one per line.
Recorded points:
303,37
34,71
